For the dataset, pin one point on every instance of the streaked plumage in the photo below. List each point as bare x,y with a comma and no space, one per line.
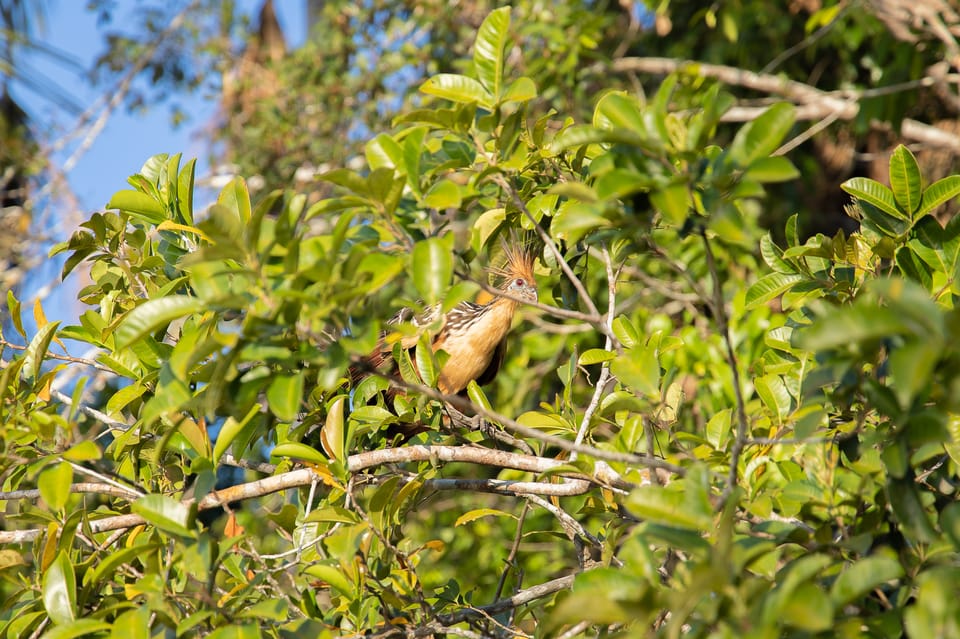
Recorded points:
474,333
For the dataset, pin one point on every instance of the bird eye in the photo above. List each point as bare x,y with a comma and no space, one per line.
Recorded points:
518,282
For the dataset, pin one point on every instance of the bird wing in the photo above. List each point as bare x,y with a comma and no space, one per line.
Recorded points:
490,372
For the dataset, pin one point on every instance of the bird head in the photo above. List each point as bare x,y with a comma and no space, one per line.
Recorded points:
515,275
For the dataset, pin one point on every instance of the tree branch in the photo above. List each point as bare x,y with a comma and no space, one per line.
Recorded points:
812,103
603,476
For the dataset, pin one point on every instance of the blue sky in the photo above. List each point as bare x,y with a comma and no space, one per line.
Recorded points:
126,141
128,138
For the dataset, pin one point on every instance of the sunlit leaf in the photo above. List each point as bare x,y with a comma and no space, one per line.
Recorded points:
874,193
54,484
153,315
138,205
166,513
457,88
905,180
488,51
432,265
60,590
473,515
938,193
332,435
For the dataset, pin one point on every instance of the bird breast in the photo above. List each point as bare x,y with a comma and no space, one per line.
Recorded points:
470,335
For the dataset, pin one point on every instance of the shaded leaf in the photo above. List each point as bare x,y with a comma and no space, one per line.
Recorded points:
862,577
284,395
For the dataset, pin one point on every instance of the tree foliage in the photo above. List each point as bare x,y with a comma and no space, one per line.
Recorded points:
698,430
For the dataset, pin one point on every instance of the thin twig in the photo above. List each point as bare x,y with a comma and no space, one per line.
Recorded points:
608,346
514,549
466,405
597,318
720,313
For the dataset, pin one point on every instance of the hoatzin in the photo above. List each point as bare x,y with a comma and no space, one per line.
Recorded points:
474,334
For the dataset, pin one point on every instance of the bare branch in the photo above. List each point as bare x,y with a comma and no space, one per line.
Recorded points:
812,103
608,346
604,476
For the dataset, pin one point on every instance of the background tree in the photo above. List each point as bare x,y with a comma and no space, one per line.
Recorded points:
696,429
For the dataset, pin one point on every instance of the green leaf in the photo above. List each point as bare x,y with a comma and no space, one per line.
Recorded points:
584,134
761,137
384,151
426,364
520,90
862,577
284,395
905,179
874,193
808,608
639,370
911,366
773,256
37,350
595,356
673,202
235,196
138,205
350,180
458,88
60,590
268,609
296,450
625,331
332,435
443,195
166,513
54,484
939,192
576,219
239,631
774,394
332,575
617,110
432,265
477,396
488,50
77,628
336,514
153,315
770,286
770,169
229,431
912,517
670,507
473,515
854,325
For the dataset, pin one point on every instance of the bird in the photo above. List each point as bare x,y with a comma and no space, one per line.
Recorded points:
473,334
